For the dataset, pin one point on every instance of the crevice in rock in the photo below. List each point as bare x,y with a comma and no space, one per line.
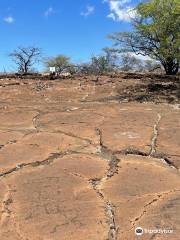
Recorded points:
113,161
109,99
155,135
99,133
109,208
9,84
35,119
96,184
158,197
131,151
47,161
8,143
164,159
160,156
109,155
113,229
5,205
74,136
76,175
7,213
84,98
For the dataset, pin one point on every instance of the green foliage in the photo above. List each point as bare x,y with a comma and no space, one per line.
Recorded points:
111,56
151,66
99,64
129,62
60,62
157,33
103,63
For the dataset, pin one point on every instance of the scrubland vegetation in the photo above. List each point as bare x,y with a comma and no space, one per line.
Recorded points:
152,46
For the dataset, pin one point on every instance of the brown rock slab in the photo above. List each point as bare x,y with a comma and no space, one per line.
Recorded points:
129,130
169,138
17,119
8,137
59,177
37,147
51,202
85,165
140,192
78,123
3,192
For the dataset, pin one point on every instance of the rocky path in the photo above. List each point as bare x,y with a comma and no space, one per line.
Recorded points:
77,164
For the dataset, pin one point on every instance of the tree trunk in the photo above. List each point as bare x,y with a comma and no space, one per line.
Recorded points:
25,68
171,69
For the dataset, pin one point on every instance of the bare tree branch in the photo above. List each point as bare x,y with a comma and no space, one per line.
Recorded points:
25,58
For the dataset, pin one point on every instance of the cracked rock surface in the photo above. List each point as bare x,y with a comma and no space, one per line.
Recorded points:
76,162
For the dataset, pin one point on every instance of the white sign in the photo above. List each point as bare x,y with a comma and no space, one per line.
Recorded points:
52,69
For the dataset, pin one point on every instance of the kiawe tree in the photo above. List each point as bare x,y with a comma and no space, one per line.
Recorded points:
129,62
60,62
111,57
156,33
103,63
99,64
25,58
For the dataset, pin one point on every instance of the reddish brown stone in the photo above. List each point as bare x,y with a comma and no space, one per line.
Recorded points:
56,201
71,164
141,193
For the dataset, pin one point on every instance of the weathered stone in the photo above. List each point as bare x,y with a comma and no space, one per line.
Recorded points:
57,201
168,143
140,192
85,160
37,148
9,137
17,119
129,130
78,123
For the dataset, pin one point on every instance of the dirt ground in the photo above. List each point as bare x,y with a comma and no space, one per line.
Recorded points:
90,158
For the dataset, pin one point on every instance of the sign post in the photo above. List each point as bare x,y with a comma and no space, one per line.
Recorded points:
52,69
